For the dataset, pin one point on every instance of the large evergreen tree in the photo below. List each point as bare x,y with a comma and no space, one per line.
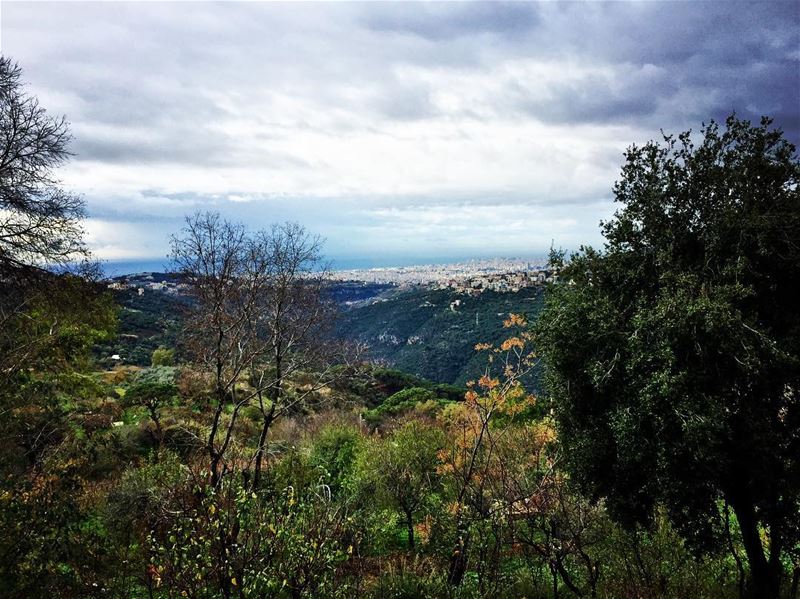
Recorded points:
673,355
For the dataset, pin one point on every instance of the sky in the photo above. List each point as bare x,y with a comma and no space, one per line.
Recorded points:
400,132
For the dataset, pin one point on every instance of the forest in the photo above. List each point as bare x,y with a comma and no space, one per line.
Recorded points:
252,451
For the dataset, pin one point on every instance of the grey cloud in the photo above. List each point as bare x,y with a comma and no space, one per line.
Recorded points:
224,85
715,58
209,149
710,59
157,59
116,147
596,99
406,103
438,22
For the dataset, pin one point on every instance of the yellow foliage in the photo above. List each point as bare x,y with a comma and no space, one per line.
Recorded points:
511,343
488,382
514,320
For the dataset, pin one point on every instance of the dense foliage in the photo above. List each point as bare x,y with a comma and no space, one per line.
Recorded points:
418,331
673,355
428,497
412,329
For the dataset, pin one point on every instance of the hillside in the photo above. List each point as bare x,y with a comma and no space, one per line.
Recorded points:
419,330
146,322
423,332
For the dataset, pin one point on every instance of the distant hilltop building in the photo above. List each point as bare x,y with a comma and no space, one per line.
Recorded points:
508,282
147,282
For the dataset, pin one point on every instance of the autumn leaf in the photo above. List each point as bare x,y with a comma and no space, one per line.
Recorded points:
514,320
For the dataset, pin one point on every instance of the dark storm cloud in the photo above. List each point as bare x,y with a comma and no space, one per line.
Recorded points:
677,63
664,64
659,64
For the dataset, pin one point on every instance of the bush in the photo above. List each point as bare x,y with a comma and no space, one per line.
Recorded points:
112,408
134,441
410,585
92,423
186,440
163,357
142,493
159,375
404,401
238,542
334,454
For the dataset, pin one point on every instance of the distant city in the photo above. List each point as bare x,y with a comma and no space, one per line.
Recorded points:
499,274
470,277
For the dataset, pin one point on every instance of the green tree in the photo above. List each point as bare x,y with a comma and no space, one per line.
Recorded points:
163,357
335,451
673,355
153,396
403,469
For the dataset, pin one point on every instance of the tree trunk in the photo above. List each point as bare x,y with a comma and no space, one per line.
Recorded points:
216,457
262,440
554,574
458,561
565,576
159,431
732,549
269,417
410,528
765,576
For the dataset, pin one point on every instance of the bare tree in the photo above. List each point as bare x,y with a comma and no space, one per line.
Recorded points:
39,225
475,439
213,256
295,324
39,221
260,317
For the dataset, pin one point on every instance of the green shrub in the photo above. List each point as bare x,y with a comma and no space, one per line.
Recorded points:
186,440
163,357
142,493
334,454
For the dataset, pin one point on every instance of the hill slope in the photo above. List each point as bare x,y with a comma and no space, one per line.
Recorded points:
421,332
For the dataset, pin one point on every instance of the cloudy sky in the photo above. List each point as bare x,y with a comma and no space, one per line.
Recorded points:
400,132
